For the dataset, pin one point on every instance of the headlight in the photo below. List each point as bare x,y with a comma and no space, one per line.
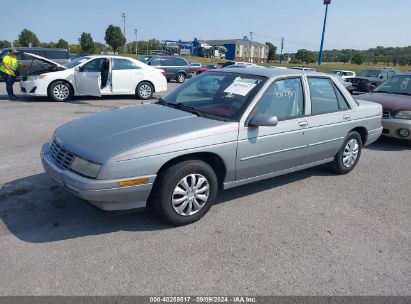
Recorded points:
85,167
403,115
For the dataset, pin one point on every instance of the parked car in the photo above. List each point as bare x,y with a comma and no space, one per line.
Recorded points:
195,66
224,128
93,76
346,84
395,97
176,68
277,67
371,77
304,69
207,68
343,73
60,56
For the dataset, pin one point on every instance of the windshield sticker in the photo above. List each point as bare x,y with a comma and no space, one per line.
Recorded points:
240,87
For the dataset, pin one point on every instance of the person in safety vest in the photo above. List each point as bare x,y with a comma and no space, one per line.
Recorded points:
8,71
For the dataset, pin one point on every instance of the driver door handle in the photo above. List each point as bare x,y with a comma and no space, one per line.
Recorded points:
303,124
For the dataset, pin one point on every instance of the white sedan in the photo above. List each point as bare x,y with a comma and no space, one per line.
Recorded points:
92,76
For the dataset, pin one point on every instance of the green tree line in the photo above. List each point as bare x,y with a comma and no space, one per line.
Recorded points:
114,42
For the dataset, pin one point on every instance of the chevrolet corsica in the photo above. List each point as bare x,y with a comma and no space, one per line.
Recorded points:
219,130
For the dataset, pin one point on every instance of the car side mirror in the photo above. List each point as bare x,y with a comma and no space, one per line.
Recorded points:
371,87
77,69
381,77
263,120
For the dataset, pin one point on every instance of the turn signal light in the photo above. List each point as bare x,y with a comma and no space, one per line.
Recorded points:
133,182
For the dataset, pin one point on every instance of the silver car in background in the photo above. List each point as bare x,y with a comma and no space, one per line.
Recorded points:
222,129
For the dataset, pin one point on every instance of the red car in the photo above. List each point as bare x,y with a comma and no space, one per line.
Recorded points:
207,68
395,97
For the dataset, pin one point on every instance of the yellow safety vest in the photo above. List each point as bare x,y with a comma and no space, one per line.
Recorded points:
11,62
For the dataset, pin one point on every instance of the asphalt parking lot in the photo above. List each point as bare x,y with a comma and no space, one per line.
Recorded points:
306,233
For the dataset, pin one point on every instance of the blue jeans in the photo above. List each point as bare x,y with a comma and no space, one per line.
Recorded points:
9,80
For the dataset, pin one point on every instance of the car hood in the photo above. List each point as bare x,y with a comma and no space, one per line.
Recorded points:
43,59
113,134
389,102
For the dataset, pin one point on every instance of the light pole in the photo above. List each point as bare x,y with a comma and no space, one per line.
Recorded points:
123,16
249,51
320,55
135,32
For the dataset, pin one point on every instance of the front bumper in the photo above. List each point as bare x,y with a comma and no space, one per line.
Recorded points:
32,88
392,127
104,194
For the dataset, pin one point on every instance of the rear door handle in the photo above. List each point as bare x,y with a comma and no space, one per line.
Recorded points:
346,117
303,124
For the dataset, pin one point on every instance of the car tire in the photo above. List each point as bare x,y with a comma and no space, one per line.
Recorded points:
347,158
181,77
60,91
185,192
144,90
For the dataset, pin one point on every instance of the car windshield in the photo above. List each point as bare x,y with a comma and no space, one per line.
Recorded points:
370,73
219,95
76,62
396,85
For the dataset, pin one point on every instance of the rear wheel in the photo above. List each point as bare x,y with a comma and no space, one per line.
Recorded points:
185,192
144,90
60,91
181,77
349,154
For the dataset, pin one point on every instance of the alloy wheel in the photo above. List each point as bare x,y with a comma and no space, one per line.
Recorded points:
61,92
145,91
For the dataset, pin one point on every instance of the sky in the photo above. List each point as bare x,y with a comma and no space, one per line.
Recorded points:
353,24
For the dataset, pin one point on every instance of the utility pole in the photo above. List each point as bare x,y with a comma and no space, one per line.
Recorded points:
320,55
135,32
123,16
281,49
249,51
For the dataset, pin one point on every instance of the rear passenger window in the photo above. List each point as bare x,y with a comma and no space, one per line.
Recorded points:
323,97
180,62
167,62
283,99
124,64
57,55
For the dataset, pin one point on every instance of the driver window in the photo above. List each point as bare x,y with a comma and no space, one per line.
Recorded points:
283,99
95,65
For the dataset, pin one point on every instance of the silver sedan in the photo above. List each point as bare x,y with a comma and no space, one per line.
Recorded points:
221,129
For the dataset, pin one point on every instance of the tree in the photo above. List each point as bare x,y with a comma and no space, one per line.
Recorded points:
272,49
305,56
27,37
63,44
358,58
86,42
114,37
4,44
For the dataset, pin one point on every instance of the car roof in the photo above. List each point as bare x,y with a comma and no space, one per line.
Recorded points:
270,72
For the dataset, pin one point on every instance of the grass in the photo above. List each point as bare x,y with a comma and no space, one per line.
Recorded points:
325,67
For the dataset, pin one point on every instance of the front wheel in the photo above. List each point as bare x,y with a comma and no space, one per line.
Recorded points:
186,191
144,90
181,77
349,154
60,91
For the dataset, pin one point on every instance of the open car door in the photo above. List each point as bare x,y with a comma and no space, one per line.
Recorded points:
88,77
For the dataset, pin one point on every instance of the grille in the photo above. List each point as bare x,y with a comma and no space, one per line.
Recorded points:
386,114
62,157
